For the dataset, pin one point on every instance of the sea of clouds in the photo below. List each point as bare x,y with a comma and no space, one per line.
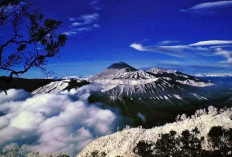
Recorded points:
55,122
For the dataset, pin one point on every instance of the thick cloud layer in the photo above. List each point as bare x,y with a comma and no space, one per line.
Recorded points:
63,122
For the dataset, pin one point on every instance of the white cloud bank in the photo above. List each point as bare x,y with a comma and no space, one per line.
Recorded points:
54,123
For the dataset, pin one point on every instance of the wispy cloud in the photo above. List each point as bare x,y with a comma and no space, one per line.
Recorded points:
85,19
209,6
69,33
96,4
212,42
198,49
74,24
180,51
226,54
86,22
167,42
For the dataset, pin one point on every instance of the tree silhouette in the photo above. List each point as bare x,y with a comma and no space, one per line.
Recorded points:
32,41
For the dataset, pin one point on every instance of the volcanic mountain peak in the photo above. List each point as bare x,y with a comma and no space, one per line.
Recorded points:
122,73
121,65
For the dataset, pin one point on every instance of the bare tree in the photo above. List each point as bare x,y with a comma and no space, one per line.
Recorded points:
33,39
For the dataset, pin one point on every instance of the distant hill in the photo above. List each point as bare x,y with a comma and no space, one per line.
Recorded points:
26,84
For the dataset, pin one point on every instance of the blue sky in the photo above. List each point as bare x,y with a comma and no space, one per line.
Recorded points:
193,36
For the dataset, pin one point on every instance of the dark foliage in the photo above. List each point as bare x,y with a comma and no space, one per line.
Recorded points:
221,140
62,155
143,149
76,83
94,153
188,144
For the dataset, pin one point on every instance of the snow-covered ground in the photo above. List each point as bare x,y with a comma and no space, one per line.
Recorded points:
122,143
52,87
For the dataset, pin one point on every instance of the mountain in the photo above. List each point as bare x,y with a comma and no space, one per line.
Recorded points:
152,95
155,85
124,143
122,73
178,77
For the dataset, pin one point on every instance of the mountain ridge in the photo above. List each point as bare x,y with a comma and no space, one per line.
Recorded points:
123,71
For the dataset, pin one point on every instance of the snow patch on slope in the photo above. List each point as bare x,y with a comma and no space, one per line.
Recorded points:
160,71
52,87
122,76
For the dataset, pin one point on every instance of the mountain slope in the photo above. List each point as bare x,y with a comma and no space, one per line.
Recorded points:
59,85
123,143
55,86
178,77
